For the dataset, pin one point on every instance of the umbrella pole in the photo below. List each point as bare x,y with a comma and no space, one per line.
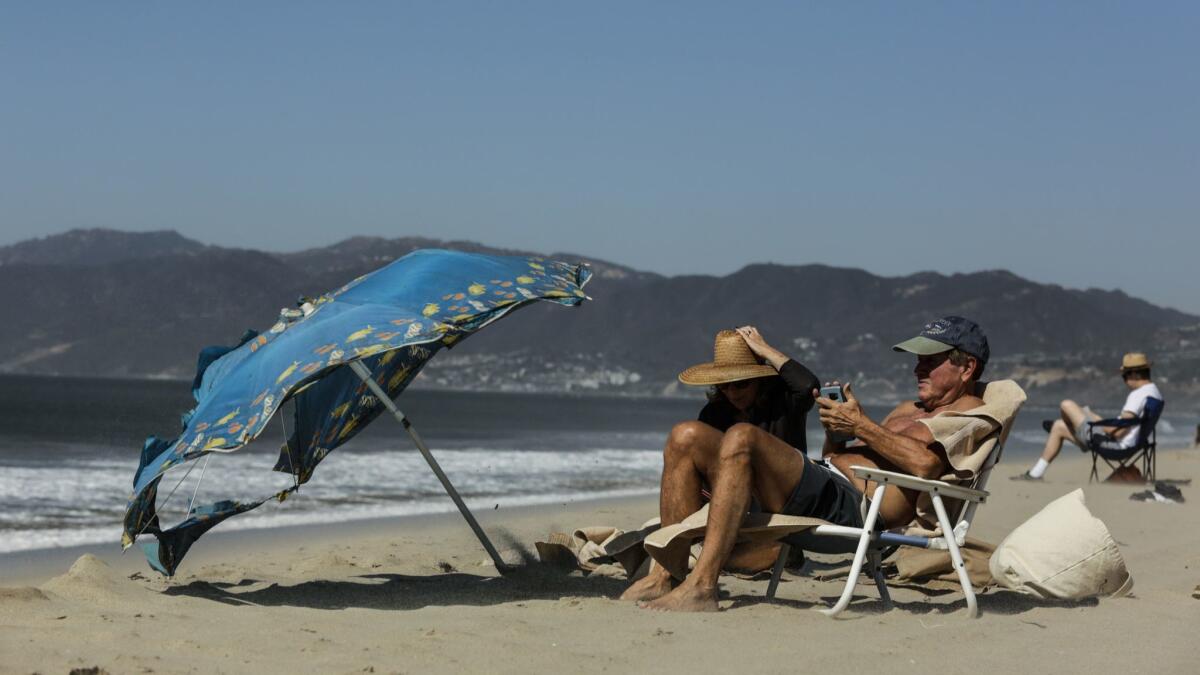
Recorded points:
365,374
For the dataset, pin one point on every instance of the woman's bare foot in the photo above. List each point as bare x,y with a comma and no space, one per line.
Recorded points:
650,587
685,598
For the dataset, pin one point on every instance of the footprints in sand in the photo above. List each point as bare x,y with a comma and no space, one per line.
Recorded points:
20,598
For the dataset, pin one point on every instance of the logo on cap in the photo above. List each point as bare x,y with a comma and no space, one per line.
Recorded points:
936,327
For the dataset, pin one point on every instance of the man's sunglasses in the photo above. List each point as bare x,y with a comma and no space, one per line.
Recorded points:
740,384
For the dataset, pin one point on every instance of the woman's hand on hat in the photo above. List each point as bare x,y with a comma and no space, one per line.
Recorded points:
838,417
756,343
753,338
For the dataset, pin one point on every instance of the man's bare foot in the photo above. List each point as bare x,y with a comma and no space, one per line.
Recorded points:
685,598
649,587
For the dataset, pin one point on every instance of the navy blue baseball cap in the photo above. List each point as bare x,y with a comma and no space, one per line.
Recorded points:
946,333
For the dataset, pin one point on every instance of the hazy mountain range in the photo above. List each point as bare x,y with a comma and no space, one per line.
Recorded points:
111,303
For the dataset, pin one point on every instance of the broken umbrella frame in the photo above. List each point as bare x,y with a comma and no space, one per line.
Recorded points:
385,326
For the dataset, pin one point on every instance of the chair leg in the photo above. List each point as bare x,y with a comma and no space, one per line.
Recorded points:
860,554
777,571
875,564
956,556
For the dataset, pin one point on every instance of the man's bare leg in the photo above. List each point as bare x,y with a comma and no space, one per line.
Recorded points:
898,506
751,461
689,456
1059,433
1072,418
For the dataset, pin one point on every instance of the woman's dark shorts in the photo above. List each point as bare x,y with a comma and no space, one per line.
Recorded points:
823,494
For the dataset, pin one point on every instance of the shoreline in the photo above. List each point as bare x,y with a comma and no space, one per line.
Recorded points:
35,566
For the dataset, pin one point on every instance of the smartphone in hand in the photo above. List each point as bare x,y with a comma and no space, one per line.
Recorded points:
835,392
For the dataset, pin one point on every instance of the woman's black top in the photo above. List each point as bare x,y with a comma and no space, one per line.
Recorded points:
781,415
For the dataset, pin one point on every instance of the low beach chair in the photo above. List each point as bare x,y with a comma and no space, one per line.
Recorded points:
1117,457
868,543
872,544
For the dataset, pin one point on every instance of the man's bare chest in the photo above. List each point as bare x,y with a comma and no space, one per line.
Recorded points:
899,422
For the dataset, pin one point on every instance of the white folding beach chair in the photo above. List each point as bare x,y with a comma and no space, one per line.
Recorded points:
871,542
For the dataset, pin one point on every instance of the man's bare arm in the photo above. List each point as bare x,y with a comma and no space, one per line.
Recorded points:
1120,432
907,446
830,447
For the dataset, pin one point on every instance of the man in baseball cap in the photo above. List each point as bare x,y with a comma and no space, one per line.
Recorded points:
960,342
947,333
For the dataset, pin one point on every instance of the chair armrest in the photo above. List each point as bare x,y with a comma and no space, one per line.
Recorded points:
1119,422
920,484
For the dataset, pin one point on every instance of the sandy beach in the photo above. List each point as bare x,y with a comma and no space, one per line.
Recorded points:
414,595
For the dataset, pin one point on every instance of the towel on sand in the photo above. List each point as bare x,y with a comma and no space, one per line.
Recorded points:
968,438
590,548
930,567
672,546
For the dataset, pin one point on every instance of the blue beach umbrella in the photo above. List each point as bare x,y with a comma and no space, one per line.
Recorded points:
342,359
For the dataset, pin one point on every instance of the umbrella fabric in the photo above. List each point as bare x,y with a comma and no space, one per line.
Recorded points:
393,320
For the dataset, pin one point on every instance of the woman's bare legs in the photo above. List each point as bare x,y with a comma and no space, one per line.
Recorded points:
689,458
751,462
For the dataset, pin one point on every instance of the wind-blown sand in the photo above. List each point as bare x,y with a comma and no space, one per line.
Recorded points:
411,596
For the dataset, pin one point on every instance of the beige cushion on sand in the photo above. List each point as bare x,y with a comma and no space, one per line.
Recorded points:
1062,552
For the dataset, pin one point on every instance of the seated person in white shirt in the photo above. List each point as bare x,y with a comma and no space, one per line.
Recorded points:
1135,370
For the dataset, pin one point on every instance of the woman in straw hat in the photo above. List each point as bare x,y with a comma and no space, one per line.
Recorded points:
1072,424
750,382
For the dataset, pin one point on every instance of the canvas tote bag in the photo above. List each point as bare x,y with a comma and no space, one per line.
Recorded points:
1062,552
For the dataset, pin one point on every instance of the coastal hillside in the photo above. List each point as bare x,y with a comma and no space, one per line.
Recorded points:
111,303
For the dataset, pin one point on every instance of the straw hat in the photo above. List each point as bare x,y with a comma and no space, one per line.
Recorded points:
1135,361
732,361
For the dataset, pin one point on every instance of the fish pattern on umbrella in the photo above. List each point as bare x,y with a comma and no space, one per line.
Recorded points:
393,320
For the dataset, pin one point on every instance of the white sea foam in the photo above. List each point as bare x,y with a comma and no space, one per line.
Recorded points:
82,501
64,494
265,518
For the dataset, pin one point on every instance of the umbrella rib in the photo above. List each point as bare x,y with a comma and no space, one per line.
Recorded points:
192,501
168,498
207,457
288,444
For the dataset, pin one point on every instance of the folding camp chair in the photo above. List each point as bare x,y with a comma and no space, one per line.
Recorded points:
1117,457
872,542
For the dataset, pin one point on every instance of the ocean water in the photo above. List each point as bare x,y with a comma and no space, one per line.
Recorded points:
69,446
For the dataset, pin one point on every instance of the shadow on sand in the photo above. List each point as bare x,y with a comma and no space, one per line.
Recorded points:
405,592
993,601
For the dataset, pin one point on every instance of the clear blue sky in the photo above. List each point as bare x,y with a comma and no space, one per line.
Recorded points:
1058,140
